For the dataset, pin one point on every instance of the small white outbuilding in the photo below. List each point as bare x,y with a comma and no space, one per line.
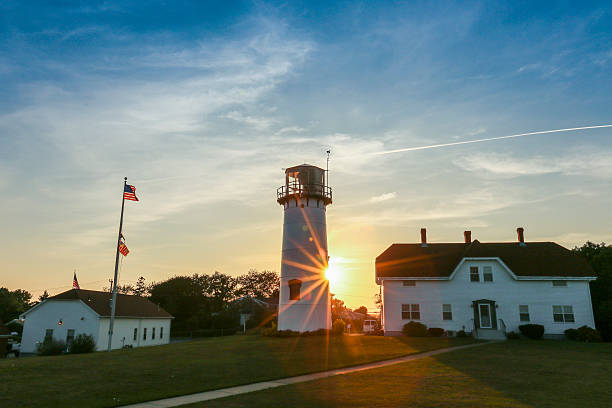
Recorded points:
138,321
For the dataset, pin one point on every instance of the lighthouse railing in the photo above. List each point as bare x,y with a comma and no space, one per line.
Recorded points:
296,189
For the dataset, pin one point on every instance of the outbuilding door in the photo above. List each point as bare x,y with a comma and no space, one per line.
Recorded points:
485,315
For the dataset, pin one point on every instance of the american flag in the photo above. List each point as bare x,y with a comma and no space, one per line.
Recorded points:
123,249
75,282
129,193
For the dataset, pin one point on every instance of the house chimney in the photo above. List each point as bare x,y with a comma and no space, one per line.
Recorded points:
468,236
423,237
521,236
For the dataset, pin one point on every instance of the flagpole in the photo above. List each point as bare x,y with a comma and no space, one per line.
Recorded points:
114,299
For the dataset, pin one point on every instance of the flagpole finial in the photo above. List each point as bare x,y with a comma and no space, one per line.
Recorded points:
125,178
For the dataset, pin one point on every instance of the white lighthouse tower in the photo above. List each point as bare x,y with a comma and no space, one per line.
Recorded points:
304,291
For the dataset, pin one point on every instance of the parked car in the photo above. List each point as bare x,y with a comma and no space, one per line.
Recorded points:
370,325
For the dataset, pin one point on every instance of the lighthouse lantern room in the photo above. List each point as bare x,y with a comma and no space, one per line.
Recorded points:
304,292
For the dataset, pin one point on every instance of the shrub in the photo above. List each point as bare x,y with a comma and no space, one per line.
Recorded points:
585,333
338,327
513,335
532,331
83,343
376,332
415,329
50,347
571,334
435,331
462,333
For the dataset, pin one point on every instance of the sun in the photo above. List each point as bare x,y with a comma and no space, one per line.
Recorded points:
333,273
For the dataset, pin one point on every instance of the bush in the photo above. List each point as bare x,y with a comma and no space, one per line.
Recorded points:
532,331
50,347
585,333
338,327
571,334
513,335
415,329
376,332
462,334
83,343
435,331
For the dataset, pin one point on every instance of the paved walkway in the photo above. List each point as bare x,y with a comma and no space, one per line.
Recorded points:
243,389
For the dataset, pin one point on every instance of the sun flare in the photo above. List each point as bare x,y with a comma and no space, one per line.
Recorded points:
333,273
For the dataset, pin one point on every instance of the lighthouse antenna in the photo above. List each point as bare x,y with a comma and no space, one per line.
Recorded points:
327,169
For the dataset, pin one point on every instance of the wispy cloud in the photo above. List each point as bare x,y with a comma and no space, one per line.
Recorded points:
383,197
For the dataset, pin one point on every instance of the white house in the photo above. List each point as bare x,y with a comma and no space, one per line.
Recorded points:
484,288
138,321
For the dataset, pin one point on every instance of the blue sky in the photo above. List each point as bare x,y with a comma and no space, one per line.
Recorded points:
201,105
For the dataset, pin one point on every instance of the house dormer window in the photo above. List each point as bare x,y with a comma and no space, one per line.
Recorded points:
474,275
487,274
294,289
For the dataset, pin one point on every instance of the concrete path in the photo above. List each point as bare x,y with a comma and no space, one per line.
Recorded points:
243,389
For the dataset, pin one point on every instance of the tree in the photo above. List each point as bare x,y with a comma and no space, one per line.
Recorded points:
44,296
13,303
600,258
125,289
141,289
261,285
337,307
363,310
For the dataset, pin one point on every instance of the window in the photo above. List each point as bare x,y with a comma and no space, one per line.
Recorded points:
48,335
447,312
474,276
487,274
411,312
144,334
409,283
294,289
135,333
559,283
524,313
69,336
563,314
153,333
161,332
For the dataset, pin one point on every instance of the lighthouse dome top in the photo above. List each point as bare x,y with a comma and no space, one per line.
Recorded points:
304,181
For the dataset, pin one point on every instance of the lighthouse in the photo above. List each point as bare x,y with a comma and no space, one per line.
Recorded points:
304,291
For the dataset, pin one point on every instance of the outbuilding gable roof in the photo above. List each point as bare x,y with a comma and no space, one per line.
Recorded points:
439,260
127,305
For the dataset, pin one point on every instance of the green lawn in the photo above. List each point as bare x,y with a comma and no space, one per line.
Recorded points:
519,374
127,376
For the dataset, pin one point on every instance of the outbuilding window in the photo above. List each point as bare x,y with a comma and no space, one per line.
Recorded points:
487,274
447,312
294,289
161,332
411,312
48,335
135,333
563,314
474,275
153,333
69,337
524,313
144,334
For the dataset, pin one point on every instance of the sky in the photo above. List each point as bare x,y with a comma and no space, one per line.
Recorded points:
203,104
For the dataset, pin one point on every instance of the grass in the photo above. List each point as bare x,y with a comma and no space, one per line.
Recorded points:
142,374
519,374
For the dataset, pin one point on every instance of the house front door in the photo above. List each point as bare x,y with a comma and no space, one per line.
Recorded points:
484,313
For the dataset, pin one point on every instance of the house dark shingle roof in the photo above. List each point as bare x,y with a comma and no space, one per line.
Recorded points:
127,305
439,260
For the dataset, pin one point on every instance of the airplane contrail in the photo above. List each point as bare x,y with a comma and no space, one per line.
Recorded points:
542,132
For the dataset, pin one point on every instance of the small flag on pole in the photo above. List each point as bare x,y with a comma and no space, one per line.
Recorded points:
123,249
75,282
129,193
